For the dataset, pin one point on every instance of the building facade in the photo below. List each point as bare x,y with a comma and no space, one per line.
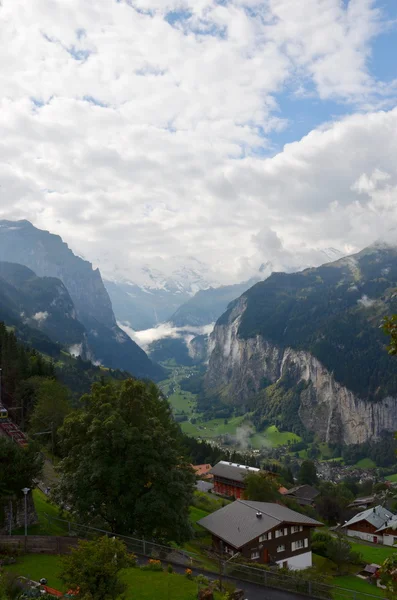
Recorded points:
228,478
370,525
262,532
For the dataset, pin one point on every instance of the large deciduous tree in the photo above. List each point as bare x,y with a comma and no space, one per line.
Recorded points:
261,487
123,465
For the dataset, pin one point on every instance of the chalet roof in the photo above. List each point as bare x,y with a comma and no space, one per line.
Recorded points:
372,568
238,523
204,486
376,516
233,471
390,524
305,492
362,501
201,469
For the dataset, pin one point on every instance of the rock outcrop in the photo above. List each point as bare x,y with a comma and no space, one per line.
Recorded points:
238,368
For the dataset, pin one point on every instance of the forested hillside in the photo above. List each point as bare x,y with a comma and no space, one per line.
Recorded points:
306,350
334,312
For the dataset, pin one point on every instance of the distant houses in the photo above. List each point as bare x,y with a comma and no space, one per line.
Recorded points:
304,495
377,525
203,471
229,478
262,532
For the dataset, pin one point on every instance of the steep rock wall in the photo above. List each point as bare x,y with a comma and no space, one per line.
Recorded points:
238,367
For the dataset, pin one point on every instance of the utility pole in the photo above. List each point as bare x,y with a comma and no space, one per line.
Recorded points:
26,490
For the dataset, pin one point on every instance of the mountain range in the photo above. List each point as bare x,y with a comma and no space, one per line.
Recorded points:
58,276
306,350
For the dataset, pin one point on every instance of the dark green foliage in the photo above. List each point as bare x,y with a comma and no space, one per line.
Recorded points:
124,466
261,488
332,503
334,312
201,452
278,404
307,473
170,348
193,384
92,570
382,452
335,548
19,467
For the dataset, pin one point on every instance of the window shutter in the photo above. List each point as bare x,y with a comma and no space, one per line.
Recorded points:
285,530
269,535
306,543
293,546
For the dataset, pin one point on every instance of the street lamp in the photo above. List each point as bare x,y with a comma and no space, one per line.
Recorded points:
26,490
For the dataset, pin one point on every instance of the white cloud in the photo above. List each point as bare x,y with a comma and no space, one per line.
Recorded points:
40,317
145,337
137,140
366,301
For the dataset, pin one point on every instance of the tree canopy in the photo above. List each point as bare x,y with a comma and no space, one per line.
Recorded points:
307,473
92,569
22,466
124,466
261,487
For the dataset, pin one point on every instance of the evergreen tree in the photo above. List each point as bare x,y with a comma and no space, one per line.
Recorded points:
307,473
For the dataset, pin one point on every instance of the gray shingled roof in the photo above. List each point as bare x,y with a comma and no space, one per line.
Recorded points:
237,523
376,516
391,523
304,492
232,470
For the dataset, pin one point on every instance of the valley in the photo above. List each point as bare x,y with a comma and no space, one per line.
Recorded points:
237,432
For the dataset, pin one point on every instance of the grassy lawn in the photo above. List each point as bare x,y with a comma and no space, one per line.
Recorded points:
195,515
366,463
392,478
43,506
145,585
373,554
351,582
36,566
149,585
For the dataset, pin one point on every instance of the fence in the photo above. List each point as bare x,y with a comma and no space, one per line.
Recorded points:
38,544
233,570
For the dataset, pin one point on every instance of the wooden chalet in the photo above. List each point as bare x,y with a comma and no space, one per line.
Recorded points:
262,532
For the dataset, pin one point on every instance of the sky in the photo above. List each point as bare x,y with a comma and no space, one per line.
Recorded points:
212,134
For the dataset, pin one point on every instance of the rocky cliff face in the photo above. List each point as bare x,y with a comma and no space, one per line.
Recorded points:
49,257
239,367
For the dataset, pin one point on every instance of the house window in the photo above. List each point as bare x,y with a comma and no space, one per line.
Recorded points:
300,527
295,529
265,537
285,530
255,554
297,545
306,542
281,548
279,533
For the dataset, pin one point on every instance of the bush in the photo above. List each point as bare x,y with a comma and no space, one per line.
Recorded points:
170,569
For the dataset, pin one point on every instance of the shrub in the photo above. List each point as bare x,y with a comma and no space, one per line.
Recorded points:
170,569
153,565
